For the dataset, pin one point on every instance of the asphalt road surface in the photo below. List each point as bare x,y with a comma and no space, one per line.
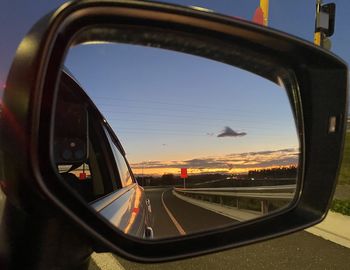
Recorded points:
298,251
174,217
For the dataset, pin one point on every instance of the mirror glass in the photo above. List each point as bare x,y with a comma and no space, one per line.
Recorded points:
184,144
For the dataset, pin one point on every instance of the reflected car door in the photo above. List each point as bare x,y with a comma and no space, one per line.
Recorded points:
126,208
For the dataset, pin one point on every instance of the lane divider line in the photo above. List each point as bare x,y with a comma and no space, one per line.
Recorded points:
173,219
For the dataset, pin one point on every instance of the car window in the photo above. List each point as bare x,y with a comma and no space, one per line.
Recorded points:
90,177
87,179
123,168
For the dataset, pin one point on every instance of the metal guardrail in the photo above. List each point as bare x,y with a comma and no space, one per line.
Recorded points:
262,193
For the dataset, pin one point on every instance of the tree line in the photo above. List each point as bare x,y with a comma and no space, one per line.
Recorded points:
175,180
281,172
169,179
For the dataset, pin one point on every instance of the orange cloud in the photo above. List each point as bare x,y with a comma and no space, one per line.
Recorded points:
231,163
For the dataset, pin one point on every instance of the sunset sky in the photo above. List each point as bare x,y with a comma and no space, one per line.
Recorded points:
232,163
173,110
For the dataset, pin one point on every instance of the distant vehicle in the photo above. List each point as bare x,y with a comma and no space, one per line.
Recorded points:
232,177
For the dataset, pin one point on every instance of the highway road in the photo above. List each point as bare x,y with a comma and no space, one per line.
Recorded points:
173,216
300,250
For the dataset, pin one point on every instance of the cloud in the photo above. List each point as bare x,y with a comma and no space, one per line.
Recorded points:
229,132
245,160
281,157
203,163
285,152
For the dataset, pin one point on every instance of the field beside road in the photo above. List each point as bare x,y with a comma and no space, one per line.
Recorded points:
341,200
344,176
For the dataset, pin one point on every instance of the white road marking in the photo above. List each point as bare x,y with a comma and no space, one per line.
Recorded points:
335,228
176,223
105,261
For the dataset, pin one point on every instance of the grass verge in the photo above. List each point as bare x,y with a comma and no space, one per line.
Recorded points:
343,205
340,206
344,176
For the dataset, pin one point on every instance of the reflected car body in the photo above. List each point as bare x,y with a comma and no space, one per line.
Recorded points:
127,210
117,195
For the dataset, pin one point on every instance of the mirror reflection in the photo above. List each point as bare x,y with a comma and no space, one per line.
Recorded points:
184,144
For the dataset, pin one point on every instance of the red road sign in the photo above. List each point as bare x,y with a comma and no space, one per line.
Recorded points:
183,172
82,176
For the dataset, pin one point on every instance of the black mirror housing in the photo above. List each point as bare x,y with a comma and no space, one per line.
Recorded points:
319,97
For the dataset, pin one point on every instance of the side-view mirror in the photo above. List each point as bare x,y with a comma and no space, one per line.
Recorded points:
175,132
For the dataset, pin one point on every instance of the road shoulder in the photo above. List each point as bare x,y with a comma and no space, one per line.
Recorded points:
335,228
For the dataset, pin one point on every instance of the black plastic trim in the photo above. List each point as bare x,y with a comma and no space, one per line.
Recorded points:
322,89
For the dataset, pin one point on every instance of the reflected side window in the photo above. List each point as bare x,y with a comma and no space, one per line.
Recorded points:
123,168
91,179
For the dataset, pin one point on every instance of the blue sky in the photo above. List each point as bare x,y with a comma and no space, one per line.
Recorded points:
295,17
179,119
169,107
